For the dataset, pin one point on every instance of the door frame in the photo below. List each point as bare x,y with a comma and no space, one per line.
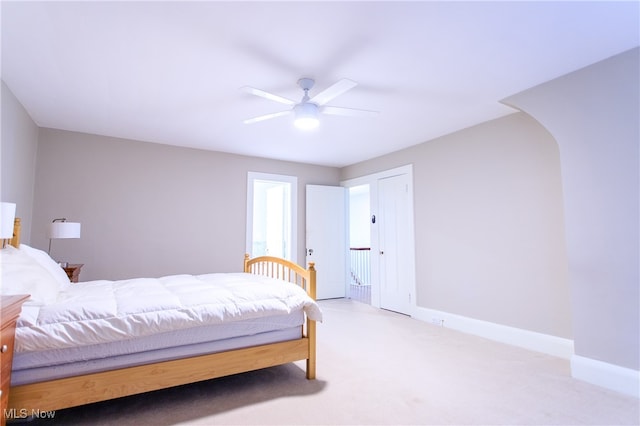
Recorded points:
372,180
293,181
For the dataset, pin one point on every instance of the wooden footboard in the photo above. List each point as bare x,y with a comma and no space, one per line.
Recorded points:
286,270
89,388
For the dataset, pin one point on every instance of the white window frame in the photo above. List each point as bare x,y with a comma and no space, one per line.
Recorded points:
293,181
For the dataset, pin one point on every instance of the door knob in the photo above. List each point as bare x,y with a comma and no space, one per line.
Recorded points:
381,252
310,251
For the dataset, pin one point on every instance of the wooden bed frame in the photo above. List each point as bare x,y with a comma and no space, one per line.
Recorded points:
85,389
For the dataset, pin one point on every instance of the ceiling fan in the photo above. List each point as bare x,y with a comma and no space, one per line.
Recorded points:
308,109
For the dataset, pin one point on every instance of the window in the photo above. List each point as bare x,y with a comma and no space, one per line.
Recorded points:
271,215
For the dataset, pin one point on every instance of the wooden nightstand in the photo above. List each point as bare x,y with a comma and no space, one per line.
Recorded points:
73,271
11,307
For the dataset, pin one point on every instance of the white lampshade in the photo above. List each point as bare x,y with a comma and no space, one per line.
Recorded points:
7,217
64,230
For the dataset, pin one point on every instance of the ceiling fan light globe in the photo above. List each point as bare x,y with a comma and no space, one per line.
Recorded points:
306,116
306,123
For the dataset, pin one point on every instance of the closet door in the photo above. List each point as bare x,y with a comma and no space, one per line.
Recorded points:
395,248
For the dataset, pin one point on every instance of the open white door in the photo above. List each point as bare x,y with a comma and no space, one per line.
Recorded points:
326,238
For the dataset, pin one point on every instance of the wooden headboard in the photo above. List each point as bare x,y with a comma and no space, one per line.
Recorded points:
15,241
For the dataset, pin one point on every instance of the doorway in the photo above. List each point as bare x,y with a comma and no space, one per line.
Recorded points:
392,248
360,243
271,215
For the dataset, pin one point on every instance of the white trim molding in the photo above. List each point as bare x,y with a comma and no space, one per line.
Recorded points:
531,340
599,373
293,181
610,376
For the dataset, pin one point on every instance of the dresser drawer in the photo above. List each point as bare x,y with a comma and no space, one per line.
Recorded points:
6,348
9,312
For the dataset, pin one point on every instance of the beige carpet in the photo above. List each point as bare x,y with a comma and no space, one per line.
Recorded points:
377,367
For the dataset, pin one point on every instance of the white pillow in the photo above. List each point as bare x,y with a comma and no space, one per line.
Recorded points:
47,263
21,274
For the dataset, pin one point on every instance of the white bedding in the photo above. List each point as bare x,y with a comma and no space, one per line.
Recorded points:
69,329
98,312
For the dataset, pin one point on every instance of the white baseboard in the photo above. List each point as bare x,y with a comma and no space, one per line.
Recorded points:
551,345
609,376
614,377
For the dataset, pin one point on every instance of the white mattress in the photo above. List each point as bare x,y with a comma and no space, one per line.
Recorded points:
95,365
183,337
98,325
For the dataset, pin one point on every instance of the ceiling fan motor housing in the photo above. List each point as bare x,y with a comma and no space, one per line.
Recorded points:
306,83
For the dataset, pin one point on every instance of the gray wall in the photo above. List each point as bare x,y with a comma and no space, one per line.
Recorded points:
594,115
18,150
489,231
148,209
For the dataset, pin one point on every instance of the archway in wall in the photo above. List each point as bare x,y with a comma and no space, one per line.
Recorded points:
593,115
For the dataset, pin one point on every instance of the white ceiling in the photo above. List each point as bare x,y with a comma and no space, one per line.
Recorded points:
170,72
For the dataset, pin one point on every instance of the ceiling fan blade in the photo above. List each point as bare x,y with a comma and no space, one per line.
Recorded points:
267,95
333,91
349,112
266,117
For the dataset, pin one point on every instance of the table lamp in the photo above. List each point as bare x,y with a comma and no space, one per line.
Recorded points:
60,228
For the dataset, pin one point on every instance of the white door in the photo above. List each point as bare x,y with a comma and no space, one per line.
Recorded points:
326,238
394,243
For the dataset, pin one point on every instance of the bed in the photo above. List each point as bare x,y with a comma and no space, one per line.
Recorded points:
98,340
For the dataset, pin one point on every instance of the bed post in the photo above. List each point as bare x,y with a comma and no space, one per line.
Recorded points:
246,262
15,241
311,326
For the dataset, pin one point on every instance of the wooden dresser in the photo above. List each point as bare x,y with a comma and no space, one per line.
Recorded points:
10,310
